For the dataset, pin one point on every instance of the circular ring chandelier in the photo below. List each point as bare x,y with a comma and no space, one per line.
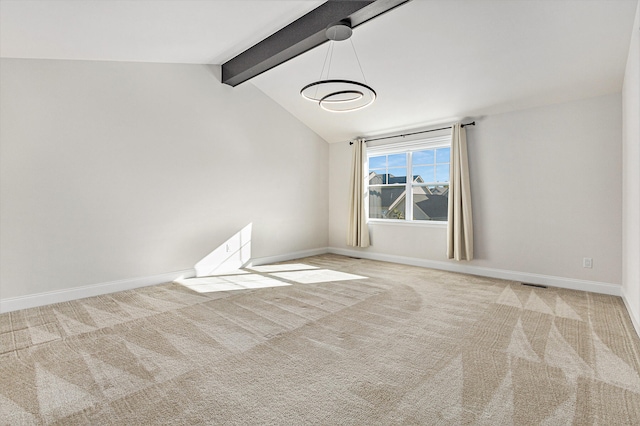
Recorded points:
339,95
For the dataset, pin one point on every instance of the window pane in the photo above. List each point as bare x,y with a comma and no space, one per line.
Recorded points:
430,202
428,177
443,155
387,202
378,162
423,174
398,175
442,173
397,160
377,177
423,157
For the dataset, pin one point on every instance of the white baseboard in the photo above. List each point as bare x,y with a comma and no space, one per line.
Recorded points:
257,261
635,316
548,280
65,295
41,299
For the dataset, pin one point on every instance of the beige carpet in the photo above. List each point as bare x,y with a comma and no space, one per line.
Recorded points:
325,340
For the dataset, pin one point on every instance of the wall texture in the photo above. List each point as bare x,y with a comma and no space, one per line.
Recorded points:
546,192
112,171
631,176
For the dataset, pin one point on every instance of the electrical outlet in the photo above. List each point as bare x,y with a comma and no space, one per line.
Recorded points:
227,247
587,262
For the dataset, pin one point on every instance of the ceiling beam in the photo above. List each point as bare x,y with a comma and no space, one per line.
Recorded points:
300,36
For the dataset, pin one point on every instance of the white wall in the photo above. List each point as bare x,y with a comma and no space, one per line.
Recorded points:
112,171
631,177
546,190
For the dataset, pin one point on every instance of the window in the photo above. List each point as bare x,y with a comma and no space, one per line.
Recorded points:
410,181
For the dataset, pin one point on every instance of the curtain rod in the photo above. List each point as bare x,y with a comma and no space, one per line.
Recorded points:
473,123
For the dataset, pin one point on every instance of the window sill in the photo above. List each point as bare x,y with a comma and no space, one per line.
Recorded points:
426,224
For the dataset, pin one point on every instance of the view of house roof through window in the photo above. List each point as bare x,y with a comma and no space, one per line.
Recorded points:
423,197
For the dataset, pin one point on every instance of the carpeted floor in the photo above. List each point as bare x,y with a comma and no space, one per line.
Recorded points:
325,340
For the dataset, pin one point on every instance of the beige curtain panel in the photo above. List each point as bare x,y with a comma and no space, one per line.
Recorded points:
358,233
460,225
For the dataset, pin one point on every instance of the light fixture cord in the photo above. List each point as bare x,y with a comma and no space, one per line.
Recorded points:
330,58
327,56
358,59
332,47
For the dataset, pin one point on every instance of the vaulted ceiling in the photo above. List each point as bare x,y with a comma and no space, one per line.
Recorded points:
431,61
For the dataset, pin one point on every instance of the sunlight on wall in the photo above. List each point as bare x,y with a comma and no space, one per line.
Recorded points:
265,276
231,255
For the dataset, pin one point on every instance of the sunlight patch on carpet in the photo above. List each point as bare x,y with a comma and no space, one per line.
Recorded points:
317,276
282,268
231,282
266,276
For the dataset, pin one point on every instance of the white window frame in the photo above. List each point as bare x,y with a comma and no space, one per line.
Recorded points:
443,141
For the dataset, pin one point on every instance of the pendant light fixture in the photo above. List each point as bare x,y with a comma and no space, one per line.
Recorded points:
339,95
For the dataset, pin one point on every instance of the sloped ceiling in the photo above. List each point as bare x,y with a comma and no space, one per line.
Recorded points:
431,61
164,31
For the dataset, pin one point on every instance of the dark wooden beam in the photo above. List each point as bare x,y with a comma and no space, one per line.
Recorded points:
300,36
